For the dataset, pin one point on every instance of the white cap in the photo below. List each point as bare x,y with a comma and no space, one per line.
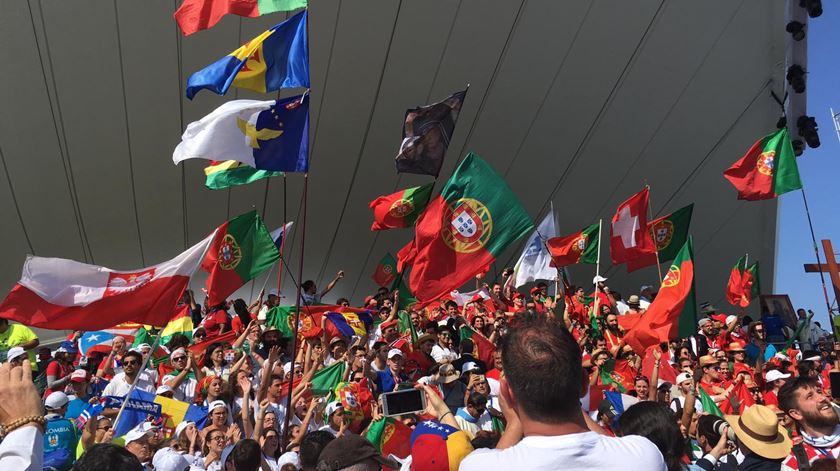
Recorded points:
394,352
15,352
180,427
56,400
163,388
136,433
598,279
731,318
216,404
703,321
814,358
332,407
167,459
225,455
272,292
287,368
143,345
469,366
683,377
773,375
644,287
290,458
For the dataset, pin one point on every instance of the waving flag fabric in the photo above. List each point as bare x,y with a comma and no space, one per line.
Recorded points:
426,135
102,340
535,262
629,234
230,173
266,135
277,58
196,15
767,170
56,293
349,324
278,234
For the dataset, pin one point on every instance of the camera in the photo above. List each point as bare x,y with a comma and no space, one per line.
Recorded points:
718,428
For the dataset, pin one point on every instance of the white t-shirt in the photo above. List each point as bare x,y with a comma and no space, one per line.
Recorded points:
119,386
579,451
441,354
185,391
698,406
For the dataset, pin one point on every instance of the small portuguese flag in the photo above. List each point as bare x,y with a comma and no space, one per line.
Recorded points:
484,348
580,247
475,218
242,249
767,170
669,234
390,437
399,209
743,283
281,317
386,271
232,173
672,314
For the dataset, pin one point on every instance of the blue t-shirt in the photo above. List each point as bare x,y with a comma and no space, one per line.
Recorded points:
60,434
751,352
76,406
385,380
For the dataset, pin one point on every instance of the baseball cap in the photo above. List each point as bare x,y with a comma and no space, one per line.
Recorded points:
469,366
216,405
518,295
56,400
535,290
598,279
476,298
644,287
665,386
682,377
773,375
136,433
225,455
436,446
350,449
395,352
703,321
163,389
168,459
332,407
272,292
15,352
180,428
79,376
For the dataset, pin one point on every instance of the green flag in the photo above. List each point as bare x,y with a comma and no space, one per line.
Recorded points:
404,325
325,381
230,173
282,318
708,404
670,233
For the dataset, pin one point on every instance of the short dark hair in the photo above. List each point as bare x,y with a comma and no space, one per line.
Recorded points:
135,354
787,393
246,455
467,346
307,284
107,457
356,348
342,300
542,363
476,399
311,446
706,428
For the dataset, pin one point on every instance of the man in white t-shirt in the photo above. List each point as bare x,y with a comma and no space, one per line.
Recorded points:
121,382
685,383
540,399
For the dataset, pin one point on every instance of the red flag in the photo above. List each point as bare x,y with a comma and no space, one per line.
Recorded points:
629,234
744,397
666,371
735,287
664,318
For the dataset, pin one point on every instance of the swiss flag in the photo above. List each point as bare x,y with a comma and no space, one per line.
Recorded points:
629,234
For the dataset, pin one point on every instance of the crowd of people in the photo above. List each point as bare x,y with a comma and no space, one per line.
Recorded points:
544,382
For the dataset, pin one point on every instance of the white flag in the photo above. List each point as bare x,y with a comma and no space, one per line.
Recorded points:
534,263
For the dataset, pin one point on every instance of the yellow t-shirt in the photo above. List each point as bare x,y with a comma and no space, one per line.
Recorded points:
15,335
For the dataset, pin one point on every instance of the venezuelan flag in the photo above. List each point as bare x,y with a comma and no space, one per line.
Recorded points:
349,324
277,58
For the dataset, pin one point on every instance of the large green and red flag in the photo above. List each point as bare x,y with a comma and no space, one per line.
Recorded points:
400,209
325,380
767,170
673,313
484,348
743,285
475,217
386,271
580,247
390,437
242,249
669,234
232,173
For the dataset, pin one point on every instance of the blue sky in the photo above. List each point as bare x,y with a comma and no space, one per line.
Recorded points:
819,169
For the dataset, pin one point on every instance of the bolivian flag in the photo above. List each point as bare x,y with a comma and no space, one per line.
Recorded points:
232,173
277,58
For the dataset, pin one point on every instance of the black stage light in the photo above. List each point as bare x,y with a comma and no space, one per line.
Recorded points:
808,130
796,78
796,29
813,7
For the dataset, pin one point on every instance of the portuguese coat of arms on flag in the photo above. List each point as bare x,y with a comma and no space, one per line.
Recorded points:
399,209
669,234
580,247
475,217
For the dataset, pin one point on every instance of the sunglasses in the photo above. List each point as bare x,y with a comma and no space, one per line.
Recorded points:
131,363
179,358
218,438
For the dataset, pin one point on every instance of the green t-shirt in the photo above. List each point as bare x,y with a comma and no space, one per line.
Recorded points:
16,335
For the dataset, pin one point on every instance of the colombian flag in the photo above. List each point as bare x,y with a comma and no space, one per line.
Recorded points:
277,58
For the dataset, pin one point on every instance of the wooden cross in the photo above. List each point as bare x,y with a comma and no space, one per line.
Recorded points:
830,266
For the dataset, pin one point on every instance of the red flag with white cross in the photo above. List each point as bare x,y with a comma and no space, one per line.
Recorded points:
629,236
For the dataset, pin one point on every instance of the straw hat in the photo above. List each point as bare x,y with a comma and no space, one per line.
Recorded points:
758,428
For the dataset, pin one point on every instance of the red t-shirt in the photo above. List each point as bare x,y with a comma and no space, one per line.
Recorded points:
116,366
770,398
214,322
58,370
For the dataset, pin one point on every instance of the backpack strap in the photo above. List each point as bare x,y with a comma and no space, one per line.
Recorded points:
801,457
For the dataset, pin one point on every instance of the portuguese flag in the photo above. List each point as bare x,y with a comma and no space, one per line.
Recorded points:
399,209
386,271
672,314
390,437
743,283
232,173
475,217
196,15
767,170
406,299
484,348
580,247
281,317
669,234
242,249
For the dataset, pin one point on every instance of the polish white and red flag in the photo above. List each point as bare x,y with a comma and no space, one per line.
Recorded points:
629,234
57,293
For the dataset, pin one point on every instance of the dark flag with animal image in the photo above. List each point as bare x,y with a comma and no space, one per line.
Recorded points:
426,135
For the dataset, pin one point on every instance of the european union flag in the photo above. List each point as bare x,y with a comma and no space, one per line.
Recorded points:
277,58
